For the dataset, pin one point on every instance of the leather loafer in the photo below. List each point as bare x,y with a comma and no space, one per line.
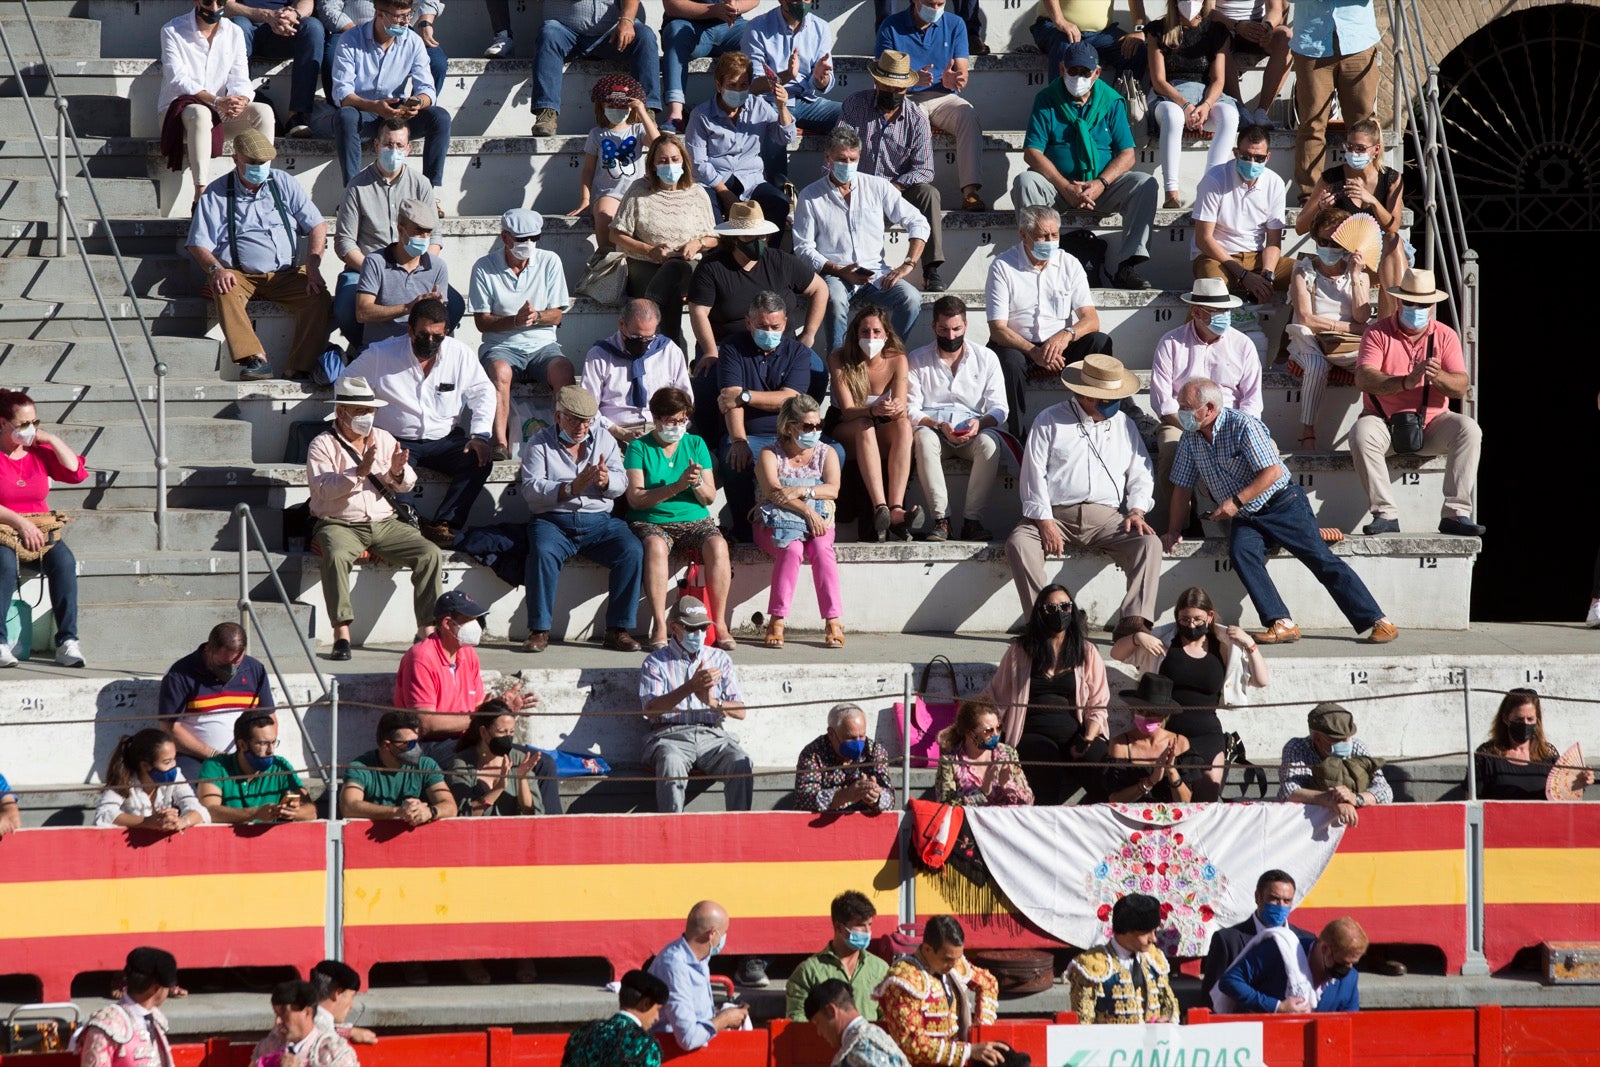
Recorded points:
1383,633
439,533
341,649
1279,633
1381,526
537,641
620,640
1459,526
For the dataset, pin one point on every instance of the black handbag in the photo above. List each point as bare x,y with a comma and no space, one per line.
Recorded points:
1407,427
403,511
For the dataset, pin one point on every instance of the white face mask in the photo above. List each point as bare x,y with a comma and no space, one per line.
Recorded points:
1190,8
522,251
361,425
27,436
470,633
873,346
617,115
1079,86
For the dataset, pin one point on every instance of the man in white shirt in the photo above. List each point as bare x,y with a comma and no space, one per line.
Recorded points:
624,371
839,225
1040,311
203,57
1205,346
1238,220
956,400
1086,484
428,379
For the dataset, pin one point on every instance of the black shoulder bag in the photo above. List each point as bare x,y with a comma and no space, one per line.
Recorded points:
1406,427
402,510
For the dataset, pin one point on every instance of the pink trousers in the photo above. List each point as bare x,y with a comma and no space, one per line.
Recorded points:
817,551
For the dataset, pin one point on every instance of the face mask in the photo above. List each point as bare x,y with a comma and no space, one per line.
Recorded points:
425,346
1331,256
1343,749
951,344
888,101
767,340
1220,321
26,437
416,245
522,251
809,439
412,756
1413,317
1188,421
1193,633
1338,970
224,672
565,438
1148,727
873,346
930,15
669,173
693,641
391,159
256,173
1189,8
1358,160
754,249
1043,250
362,424
797,11
166,777
1078,87
853,749
670,435
470,633
735,97
722,943
1520,731
1109,408
501,746
616,115
1249,169
398,30
1275,915
843,173
207,15
1056,622
260,763
860,940
637,346
990,743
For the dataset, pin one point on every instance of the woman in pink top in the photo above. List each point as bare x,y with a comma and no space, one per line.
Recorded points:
29,458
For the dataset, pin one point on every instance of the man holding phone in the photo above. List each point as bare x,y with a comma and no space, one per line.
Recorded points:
253,783
371,65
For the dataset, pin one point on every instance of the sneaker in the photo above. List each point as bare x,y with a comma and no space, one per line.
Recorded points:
544,122
752,973
933,281
9,658
939,532
341,649
1384,632
69,653
255,369
1128,278
1592,621
1460,526
1381,526
296,126
973,530
500,47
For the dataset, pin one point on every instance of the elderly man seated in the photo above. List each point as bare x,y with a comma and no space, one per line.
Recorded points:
690,1019
1290,972
930,1002
395,780
571,478
625,370
844,769
1331,766
688,691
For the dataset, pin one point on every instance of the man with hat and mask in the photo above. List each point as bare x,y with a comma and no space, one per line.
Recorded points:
1086,484
440,677
355,471
395,278
1125,980
428,381
133,1031
571,478
1232,455
1205,346
1331,766
897,144
1411,363
688,692
244,235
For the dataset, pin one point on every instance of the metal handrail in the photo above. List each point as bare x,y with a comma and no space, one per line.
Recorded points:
67,223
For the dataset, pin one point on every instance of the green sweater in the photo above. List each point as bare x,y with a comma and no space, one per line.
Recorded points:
870,972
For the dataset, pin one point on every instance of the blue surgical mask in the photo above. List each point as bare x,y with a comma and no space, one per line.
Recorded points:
860,940
1188,421
767,340
1357,160
1220,321
735,97
722,943
1249,169
853,749
928,14
260,763
1043,250
1343,749
1330,256
416,245
166,777
397,29
809,439
843,173
693,641
669,173
256,173
991,742
1109,408
1413,317
1275,915
391,159
565,438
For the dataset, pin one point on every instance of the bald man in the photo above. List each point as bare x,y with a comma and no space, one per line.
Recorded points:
690,1017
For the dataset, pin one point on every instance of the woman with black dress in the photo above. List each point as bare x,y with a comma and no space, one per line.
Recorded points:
1516,760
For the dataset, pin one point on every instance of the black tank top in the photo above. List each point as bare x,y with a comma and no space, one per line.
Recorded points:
1197,684
1054,706
1334,179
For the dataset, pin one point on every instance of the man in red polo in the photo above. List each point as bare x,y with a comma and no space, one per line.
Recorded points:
439,677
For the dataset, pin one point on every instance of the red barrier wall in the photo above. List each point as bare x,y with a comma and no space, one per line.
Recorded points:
1541,871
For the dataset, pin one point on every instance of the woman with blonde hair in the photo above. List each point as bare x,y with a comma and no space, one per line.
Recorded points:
870,380
798,482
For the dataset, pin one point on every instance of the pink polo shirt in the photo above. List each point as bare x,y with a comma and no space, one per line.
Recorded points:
1384,348
428,681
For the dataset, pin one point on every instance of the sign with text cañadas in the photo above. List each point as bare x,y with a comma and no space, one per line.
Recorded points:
1155,1045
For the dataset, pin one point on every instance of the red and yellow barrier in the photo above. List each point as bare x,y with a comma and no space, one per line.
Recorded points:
1541,873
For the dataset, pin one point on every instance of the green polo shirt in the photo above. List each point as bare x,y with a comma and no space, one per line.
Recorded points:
1052,129
870,973
267,787
383,786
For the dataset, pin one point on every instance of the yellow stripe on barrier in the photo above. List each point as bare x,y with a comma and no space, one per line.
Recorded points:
1391,879
399,896
192,903
1541,876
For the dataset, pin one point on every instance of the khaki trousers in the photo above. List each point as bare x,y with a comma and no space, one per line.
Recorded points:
1097,528
955,115
1456,437
343,542
1354,79
285,287
983,452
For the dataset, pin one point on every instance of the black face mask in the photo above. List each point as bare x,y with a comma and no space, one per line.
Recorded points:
753,249
1520,731
224,673
1056,620
951,344
425,346
888,100
207,15
636,346
1338,970
501,746
1193,633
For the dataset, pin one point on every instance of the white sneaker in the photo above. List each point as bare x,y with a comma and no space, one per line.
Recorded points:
499,47
1592,621
9,659
69,653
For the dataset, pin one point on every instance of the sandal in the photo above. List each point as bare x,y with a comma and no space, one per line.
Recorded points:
774,637
881,521
833,636
726,642
1309,437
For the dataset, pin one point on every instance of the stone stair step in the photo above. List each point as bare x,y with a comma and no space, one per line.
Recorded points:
189,440
159,630
90,359
35,198
187,530
60,36
92,115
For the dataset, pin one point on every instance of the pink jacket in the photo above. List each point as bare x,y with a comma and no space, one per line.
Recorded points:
111,1039
1013,679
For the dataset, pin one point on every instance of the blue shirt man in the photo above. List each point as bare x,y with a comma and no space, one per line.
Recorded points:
792,31
1335,48
937,44
1259,982
690,1017
372,64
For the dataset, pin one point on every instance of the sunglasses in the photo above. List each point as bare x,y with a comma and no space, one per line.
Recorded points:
404,746
809,426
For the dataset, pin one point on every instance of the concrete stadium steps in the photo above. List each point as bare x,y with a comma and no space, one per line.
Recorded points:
74,363
24,198
189,440
61,32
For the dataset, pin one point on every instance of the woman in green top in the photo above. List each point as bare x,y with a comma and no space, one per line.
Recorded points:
670,490
253,783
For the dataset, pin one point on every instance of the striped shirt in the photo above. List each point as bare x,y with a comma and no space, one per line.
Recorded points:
1240,448
901,148
667,668
192,694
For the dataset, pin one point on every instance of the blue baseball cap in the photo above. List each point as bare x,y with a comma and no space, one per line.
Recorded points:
455,602
1080,54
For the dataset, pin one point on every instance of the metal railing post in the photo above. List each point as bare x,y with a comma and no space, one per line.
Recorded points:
1475,962
333,917
241,513
61,174
908,869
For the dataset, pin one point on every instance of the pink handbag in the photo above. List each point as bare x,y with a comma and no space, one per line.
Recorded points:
928,718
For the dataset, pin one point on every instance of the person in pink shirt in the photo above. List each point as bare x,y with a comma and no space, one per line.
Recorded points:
1411,362
29,458
440,677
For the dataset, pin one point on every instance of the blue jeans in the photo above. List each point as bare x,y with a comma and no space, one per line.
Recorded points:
305,48
901,301
344,311
740,486
449,457
1286,522
60,570
1108,42
557,536
683,40
557,44
354,128
811,116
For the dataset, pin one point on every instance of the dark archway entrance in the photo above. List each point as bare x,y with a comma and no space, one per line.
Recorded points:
1521,101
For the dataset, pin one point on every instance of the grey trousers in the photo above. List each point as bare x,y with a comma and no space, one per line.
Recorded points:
1135,195
924,196
1094,528
672,752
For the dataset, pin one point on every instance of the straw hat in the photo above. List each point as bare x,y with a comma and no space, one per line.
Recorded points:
746,220
1100,377
1212,293
353,393
893,70
1417,287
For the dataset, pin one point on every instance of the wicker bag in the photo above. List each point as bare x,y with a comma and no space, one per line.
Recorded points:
50,523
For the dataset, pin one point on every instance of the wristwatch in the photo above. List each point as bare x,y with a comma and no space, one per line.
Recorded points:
1138,27
744,398
1269,275
433,813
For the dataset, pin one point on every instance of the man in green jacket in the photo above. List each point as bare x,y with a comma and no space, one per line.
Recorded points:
845,957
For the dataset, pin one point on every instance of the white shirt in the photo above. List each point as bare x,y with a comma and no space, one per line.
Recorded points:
975,384
1243,213
1242,9
610,379
190,65
426,407
826,229
1231,361
1036,303
1071,459
176,794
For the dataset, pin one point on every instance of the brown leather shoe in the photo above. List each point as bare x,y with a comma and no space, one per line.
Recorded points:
537,641
619,640
1384,632
439,533
1281,632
